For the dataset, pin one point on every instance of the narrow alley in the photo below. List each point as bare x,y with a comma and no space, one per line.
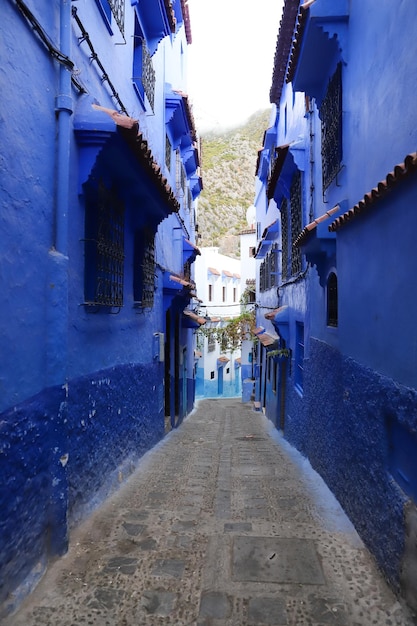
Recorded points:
222,523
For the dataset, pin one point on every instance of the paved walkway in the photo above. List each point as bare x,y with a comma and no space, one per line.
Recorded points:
222,524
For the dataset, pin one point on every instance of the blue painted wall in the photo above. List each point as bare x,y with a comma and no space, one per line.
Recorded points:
81,390
355,418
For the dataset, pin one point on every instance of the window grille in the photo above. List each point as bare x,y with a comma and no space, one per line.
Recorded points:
187,270
144,268
148,76
104,272
168,152
148,273
296,221
179,173
284,235
211,343
118,10
331,128
332,307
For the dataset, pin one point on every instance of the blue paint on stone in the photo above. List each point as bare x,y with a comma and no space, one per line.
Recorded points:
65,444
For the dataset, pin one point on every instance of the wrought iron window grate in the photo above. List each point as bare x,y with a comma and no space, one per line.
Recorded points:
105,250
118,10
168,152
148,76
284,238
296,220
148,274
331,128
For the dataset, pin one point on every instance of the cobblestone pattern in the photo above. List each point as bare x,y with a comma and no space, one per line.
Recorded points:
219,526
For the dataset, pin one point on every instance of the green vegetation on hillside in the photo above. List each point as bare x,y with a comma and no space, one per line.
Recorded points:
228,169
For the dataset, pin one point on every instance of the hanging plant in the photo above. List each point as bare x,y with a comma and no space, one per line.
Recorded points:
231,335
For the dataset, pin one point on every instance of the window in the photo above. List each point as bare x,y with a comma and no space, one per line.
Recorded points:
331,128
168,152
211,343
143,72
268,270
212,375
113,9
332,307
252,251
144,268
210,293
224,294
234,294
104,248
285,238
296,221
179,174
299,356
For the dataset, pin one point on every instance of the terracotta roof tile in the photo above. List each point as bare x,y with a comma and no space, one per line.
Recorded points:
313,225
296,43
213,270
227,273
285,36
223,359
187,24
271,314
196,318
267,340
399,173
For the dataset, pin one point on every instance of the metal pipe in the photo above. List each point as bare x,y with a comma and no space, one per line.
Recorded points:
64,110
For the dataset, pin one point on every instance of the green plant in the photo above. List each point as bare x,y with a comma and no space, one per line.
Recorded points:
231,335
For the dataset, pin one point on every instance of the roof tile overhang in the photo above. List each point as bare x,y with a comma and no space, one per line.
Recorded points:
318,45
227,274
283,47
280,319
190,250
187,23
212,270
401,172
179,115
268,341
113,144
222,360
191,320
318,243
281,155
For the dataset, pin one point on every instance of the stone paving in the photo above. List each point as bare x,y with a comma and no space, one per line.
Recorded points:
223,523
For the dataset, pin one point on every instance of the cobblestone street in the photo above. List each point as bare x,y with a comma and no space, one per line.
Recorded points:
223,523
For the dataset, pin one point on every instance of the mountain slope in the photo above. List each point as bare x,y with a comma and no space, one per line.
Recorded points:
228,168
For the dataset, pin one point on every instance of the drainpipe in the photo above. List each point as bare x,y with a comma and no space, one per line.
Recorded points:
57,312
63,108
57,301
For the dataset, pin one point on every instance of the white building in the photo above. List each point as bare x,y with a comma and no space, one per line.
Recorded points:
248,279
218,280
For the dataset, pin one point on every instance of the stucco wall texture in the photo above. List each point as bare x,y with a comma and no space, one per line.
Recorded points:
74,443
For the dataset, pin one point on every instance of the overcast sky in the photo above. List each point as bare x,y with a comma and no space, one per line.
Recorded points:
230,60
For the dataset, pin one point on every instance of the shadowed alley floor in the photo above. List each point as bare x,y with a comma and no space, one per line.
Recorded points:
223,523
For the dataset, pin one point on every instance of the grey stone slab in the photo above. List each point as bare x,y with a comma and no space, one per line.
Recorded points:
276,560
267,611
123,564
148,544
159,602
328,611
172,568
133,529
215,604
231,527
